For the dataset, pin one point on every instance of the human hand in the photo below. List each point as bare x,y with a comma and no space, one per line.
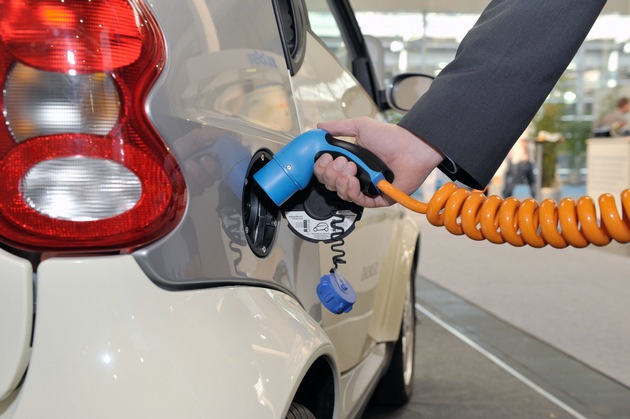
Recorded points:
409,157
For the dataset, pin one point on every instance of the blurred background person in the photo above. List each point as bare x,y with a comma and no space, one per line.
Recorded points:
614,123
519,169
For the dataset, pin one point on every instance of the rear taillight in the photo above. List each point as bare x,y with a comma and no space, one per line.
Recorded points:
82,168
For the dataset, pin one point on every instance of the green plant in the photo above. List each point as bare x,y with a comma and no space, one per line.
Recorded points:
549,163
549,119
548,133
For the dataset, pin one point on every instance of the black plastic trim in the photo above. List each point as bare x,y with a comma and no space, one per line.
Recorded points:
205,283
292,23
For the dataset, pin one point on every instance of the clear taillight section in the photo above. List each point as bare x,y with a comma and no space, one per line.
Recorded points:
38,103
82,168
80,188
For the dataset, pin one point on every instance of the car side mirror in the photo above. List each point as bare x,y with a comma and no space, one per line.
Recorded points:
405,89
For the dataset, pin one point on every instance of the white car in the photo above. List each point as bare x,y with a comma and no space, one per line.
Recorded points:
143,273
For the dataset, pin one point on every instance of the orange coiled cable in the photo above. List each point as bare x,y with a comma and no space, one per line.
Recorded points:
519,223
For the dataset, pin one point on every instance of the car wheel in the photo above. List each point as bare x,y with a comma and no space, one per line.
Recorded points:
396,386
297,411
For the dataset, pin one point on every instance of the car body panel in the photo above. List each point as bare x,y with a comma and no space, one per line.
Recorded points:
201,89
369,271
16,320
379,280
196,324
359,382
103,329
385,325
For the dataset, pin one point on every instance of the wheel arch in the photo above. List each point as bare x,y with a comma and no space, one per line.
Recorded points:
318,389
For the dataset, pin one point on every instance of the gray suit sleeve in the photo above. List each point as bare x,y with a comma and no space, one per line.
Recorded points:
505,67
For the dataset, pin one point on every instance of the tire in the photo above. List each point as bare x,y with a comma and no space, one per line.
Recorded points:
297,411
396,386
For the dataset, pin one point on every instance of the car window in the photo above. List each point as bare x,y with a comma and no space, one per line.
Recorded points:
325,26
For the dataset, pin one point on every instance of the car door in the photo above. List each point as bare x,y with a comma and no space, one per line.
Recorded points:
326,89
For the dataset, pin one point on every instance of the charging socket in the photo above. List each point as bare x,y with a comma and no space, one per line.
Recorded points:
261,216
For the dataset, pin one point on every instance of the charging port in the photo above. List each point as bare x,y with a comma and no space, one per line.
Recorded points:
261,215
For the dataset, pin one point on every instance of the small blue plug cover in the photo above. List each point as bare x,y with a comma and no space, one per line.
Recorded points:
335,293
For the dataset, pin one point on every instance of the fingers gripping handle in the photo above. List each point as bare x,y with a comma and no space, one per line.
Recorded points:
370,169
291,169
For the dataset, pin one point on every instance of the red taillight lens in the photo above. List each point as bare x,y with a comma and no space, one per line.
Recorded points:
71,35
82,167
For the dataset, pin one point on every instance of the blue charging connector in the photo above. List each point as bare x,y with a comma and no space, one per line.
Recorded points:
291,169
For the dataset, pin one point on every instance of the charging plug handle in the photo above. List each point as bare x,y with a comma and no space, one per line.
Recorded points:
291,169
368,172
